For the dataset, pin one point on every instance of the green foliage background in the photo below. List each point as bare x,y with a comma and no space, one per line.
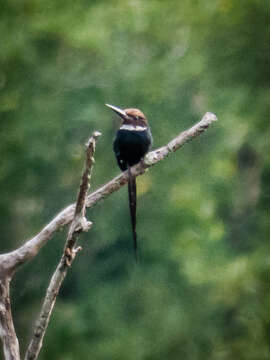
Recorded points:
201,290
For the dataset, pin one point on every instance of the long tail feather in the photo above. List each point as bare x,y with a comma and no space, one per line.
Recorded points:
132,194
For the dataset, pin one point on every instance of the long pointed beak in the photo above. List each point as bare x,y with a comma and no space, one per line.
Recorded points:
118,111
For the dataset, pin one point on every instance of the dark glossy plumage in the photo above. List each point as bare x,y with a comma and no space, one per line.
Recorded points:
131,146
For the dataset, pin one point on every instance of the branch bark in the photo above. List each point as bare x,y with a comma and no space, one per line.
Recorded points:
11,261
78,224
7,331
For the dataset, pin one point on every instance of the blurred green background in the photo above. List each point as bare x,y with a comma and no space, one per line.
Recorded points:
202,288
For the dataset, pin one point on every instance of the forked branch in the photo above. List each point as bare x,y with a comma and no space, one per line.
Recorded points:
10,262
78,224
31,247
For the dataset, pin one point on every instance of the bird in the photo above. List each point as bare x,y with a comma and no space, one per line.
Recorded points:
132,141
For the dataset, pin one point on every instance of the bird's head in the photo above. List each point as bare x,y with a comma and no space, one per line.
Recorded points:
130,116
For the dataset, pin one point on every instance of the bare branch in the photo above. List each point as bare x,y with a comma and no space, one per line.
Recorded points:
78,224
9,262
150,159
7,331
28,250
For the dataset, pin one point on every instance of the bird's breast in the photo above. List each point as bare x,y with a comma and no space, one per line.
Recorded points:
132,145
131,138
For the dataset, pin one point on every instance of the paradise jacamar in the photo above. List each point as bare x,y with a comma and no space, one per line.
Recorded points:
131,143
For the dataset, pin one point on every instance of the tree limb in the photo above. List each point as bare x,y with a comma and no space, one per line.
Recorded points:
78,224
10,261
7,331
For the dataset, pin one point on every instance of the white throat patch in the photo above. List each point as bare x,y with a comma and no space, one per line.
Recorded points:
133,128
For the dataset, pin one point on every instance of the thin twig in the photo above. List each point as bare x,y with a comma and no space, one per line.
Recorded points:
78,224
